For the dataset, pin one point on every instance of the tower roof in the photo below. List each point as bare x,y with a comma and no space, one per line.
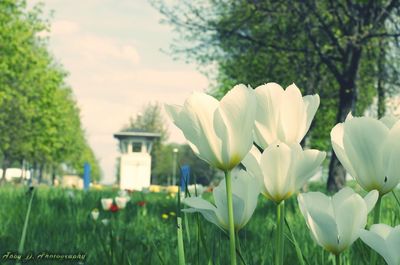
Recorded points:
136,135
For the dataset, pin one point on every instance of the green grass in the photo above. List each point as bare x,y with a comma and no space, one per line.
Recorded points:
60,222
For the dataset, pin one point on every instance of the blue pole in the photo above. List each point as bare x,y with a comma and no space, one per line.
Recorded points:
185,177
86,176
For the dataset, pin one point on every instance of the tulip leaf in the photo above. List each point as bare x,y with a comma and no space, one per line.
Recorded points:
395,196
158,253
293,240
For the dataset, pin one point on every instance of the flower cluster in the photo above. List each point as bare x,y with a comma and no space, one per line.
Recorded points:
276,120
108,205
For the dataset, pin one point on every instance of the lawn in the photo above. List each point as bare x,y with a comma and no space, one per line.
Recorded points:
60,223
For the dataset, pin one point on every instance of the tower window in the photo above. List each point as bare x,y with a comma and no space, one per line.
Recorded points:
136,147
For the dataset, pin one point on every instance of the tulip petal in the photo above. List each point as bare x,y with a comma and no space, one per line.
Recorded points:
363,143
377,243
317,211
349,224
342,195
269,98
219,194
244,198
337,134
234,122
239,215
252,164
292,118
206,209
173,111
311,103
389,121
393,242
275,164
306,165
196,122
246,187
383,230
391,154
370,199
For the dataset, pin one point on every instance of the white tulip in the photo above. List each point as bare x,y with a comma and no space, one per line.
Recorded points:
95,214
105,221
245,194
106,203
335,222
369,150
385,240
121,202
196,189
282,169
218,132
282,115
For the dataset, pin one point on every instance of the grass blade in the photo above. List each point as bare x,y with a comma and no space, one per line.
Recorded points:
25,228
296,245
397,199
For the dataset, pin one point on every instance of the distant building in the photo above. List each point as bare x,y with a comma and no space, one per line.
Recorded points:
72,181
16,173
135,159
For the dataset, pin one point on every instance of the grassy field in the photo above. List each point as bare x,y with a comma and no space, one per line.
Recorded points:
60,223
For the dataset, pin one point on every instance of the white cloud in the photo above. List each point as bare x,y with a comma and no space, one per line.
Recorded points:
64,27
95,48
112,53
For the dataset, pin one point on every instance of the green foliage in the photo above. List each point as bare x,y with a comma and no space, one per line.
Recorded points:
201,172
345,51
149,119
39,118
60,222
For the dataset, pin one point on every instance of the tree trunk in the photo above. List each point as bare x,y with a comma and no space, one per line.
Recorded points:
337,173
347,103
40,176
53,175
381,77
4,167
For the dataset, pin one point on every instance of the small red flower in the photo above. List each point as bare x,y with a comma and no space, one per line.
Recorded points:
141,203
114,208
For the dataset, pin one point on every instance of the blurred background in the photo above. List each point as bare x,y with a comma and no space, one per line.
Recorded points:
73,73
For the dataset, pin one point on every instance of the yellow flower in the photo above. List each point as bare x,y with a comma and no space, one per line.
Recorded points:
164,216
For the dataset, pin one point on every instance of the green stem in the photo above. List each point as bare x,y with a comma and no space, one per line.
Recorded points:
280,214
239,249
25,228
228,180
377,214
181,250
111,241
238,242
337,259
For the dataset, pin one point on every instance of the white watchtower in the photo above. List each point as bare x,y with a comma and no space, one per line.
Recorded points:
135,160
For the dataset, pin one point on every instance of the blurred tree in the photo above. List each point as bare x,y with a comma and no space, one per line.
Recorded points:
329,47
150,119
200,171
39,119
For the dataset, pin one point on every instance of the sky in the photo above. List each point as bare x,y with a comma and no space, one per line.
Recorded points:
112,51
